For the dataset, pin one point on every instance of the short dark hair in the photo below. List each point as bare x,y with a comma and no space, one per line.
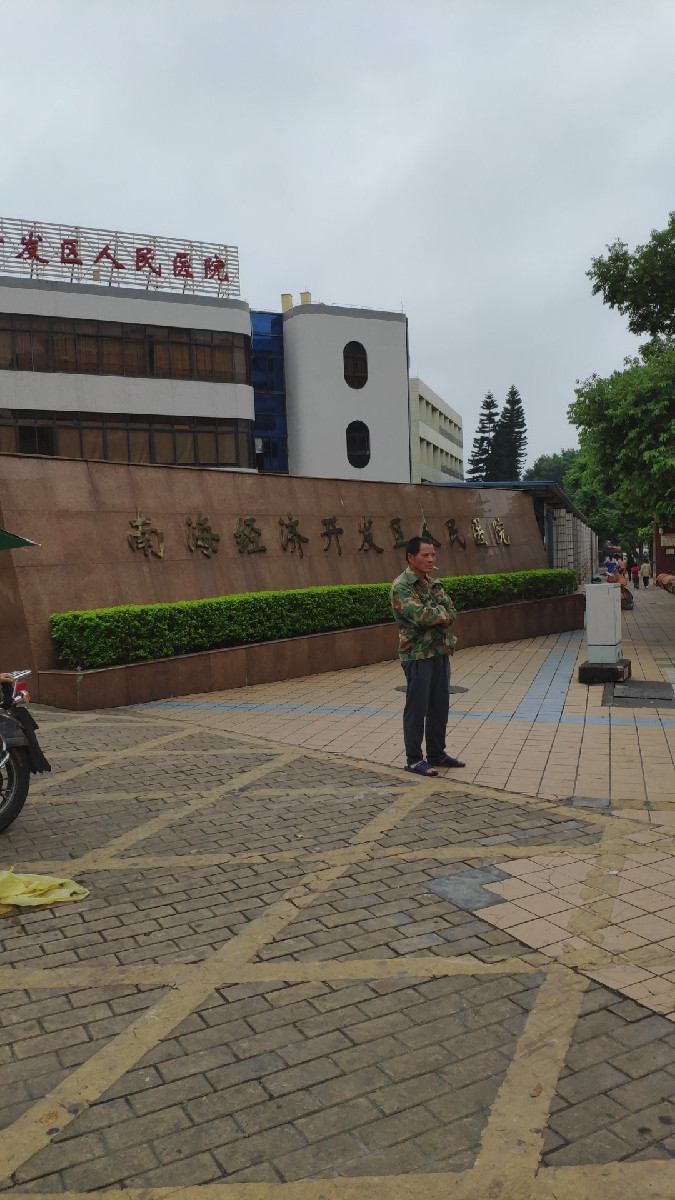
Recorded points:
413,545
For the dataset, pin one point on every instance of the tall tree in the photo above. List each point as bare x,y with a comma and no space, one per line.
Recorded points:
551,468
614,519
627,422
627,426
483,440
507,453
641,283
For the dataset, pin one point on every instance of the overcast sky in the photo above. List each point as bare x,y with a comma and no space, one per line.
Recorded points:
461,160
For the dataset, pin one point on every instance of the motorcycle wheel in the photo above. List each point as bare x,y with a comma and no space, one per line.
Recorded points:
14,780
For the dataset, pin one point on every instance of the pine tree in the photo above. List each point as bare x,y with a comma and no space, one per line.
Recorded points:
506,457
483,440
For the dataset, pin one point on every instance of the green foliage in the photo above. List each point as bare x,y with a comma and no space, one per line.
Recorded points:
104,637
641,284
605,508
625,476
552,468
506,457
485,591
482,442
627,425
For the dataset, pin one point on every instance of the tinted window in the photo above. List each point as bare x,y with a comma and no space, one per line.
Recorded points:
358,444
355,364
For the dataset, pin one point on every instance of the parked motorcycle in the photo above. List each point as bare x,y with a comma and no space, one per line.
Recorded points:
20,753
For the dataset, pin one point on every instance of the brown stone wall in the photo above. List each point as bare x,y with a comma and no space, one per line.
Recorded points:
80,513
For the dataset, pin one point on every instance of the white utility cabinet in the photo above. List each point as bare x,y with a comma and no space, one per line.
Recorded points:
603,622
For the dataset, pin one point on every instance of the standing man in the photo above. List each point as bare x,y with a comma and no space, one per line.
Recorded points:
424,614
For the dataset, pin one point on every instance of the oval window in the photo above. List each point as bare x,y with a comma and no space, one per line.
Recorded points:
356,365
358,444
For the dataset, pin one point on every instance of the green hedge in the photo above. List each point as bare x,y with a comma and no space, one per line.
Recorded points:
104,637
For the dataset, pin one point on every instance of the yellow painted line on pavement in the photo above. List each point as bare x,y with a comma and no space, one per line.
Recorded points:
86,975
433,967
235,751
325,790
151,975
512,1140
439,1186
648,1180
49,722
524,849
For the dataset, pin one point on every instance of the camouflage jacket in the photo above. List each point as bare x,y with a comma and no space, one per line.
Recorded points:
424,614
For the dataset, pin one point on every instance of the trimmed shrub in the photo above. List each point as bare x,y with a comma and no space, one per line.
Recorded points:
106,637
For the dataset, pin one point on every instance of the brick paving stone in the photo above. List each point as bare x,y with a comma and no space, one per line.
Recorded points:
272,1081
641,1033
186,1172
59,1157
306,1075
636,1063
350,1115
398,1127
600,1049
645,1127
464,1134
111,1169
641,1093
275,1112
406,1066
406,1095
403,1159
594,1081
308,1161
188,1142
584,1118
357,1083
140,1130
602,1146
264,1147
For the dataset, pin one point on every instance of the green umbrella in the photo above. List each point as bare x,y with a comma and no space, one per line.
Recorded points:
9,541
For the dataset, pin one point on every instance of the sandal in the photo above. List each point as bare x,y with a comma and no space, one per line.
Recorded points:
421,768
448,761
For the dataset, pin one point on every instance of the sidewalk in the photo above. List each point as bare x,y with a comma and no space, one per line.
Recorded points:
518,717
527,730
302,974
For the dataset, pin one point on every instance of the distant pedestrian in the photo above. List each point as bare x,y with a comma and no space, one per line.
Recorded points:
635,575
610,567
644,573
424,613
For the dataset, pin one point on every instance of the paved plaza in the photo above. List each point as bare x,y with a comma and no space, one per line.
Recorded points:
302,974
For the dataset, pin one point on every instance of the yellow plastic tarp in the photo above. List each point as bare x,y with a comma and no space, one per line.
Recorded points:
37,889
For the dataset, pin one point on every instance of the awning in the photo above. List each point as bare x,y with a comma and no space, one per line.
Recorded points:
10,541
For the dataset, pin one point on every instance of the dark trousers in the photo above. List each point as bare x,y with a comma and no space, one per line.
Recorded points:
427,703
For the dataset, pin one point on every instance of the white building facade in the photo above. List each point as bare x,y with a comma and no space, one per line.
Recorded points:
436,437
346,393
